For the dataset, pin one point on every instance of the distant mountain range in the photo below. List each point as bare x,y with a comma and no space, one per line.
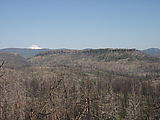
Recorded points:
24,52
152,51
21,57
28,53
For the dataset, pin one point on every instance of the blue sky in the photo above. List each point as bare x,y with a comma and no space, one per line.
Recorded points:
80,23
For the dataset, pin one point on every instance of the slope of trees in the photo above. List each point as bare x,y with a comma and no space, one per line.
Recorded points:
62,93
76,87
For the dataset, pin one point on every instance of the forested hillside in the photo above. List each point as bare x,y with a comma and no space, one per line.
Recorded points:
96,84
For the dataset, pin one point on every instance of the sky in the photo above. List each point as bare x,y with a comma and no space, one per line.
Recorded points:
79,24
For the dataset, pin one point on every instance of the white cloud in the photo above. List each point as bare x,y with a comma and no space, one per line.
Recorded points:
34,47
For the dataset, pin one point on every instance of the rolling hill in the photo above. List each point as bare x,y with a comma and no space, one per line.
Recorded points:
125,60
152,51
26,53
13,60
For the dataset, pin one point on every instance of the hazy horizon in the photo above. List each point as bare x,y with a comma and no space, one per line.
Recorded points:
39,47
80,24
